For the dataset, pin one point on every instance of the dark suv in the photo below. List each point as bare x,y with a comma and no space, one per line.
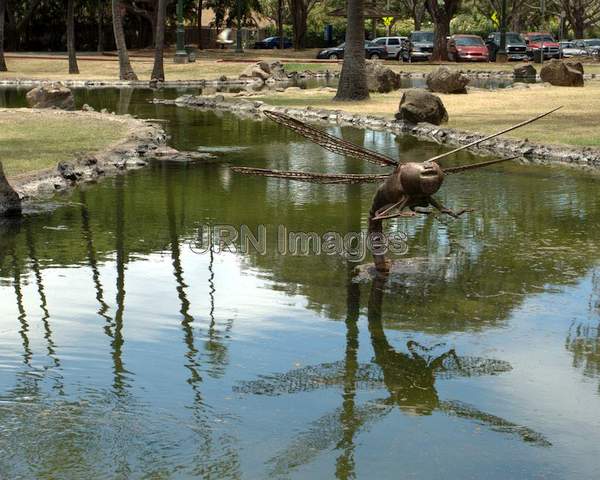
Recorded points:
372,50
418,46
516,48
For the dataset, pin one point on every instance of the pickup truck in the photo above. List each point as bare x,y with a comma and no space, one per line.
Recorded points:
516,48
418,46
534,42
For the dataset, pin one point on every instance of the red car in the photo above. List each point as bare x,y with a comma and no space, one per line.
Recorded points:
534,41
469,48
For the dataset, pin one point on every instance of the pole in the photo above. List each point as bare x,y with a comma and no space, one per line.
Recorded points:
502,56
238,36
543,9
181,55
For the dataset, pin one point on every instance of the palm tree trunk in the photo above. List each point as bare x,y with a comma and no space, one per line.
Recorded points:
125,70
73,68
158,72
353,79
100,15
280,23
2,61
199,23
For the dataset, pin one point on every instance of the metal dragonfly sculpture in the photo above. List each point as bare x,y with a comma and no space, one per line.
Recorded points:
410,185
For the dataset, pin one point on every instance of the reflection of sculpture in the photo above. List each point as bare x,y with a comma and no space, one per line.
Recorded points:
410,185
409,379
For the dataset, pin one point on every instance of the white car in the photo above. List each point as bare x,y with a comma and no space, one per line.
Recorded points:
393,45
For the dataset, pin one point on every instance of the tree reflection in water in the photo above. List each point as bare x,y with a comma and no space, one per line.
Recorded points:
409,378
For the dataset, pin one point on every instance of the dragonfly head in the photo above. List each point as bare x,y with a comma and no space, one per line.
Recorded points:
421,178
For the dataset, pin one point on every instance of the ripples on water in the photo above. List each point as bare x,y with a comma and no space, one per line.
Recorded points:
126,354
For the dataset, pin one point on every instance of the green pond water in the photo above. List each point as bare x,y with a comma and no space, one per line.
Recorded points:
127,350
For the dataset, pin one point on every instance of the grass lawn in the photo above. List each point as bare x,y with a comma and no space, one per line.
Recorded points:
38,139
487,111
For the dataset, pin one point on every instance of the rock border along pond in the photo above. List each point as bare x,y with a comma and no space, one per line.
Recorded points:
144,140
581,157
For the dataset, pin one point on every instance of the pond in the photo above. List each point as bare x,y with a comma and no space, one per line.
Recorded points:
130,349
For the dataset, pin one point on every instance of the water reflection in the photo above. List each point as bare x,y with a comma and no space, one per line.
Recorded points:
409,378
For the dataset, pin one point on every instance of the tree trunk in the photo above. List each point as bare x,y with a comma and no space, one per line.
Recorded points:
73,68
440,40
441,11
299,16
100,15
418,16
353,78
200,46
158,72
280,23
125,70
2,61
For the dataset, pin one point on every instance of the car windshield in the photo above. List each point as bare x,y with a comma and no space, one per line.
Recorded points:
541,38
593,43
370,44
341,45
422,37
566,44
512,38
269,39
468,41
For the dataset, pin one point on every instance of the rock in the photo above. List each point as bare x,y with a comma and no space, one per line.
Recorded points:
562,73
273,71
525,71
10,203
381,78
55,95
443,80
277,71
87,108
420,106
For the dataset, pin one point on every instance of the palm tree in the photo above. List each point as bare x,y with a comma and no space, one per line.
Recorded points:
158,72
73,68
125,70
2,61
353,79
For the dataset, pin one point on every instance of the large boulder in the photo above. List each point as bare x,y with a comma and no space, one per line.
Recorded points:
265,71
10,203
381,78
525,72
562,74
444,80
420,106
54,95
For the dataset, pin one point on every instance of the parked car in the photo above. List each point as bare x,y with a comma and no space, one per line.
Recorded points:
467,48
516,48
273,42
570,49
418,46
534,42
371,51
393,45
590,46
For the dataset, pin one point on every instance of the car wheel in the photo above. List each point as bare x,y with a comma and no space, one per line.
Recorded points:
333,56
374,56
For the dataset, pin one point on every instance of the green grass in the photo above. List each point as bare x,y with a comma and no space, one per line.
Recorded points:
34,141
315,67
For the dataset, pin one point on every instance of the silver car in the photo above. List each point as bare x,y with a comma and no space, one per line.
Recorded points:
590,45
393,45
569,49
